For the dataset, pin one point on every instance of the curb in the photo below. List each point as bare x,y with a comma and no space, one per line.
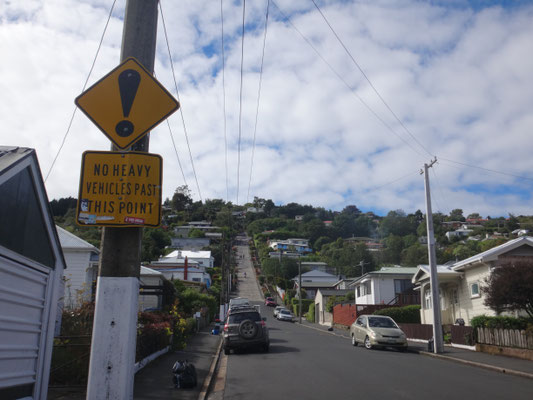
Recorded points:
478,364
443,357
210,375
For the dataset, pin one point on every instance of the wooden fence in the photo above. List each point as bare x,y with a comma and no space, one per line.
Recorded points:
417,331
462,334
505,338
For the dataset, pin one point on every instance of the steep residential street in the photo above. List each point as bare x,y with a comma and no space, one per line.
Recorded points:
307,363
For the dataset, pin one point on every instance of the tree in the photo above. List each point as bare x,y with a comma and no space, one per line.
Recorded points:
182,200
510,288
456,215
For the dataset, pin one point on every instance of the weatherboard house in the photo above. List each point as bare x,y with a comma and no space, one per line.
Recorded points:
31,271
460,283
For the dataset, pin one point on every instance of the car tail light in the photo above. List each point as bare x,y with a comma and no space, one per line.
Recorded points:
263,323
225,327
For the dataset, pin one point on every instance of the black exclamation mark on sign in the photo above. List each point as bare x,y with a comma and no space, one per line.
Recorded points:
128,83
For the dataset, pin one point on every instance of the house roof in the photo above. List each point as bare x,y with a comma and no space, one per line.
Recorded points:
189,254
333,292
494,253
70,241
422,272
405,271
145,271
316,274
318,284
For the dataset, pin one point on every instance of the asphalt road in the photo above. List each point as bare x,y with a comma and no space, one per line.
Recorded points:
304,363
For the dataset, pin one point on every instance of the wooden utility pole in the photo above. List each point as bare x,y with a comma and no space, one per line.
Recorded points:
433,277
115,323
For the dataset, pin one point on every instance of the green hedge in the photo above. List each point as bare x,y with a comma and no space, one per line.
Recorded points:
311,313
500,322
306,303
402,315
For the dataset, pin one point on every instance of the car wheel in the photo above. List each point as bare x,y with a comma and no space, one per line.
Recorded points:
226,350
354,342
368,345
247,329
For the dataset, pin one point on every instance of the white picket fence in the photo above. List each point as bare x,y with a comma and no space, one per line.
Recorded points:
505,338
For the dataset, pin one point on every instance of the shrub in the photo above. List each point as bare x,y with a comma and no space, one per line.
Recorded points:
306,303
402,315
261,279
311,312
500,322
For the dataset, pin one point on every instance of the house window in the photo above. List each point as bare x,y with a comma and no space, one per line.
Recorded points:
427,300
402,285
196,280
474,290
358,291
368,287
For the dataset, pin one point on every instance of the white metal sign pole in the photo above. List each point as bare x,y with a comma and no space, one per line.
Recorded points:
111,372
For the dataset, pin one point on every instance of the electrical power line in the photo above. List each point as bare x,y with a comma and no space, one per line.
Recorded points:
178,96
351,89
224,99
177,155
240,103
82,90
369,82
258,100
486,169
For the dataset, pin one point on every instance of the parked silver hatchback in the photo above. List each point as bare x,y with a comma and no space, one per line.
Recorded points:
244,328
377,331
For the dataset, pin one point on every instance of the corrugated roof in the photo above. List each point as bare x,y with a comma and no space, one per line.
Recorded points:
149,271
70,241
493,253
333,292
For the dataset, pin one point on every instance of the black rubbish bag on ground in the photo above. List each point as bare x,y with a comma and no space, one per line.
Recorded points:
184,375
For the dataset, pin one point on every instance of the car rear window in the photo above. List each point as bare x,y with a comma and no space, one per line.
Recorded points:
239,317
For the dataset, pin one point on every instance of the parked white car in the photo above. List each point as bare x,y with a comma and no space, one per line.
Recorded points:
285,315
277,310
377,331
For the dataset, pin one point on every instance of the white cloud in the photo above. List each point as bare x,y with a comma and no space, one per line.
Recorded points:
458,78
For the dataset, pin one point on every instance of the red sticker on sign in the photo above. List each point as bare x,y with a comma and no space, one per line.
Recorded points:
132,220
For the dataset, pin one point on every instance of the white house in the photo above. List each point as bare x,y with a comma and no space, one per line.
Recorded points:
389,285
150,277
458,233
80,276
314,280
202,259
322,315
460,283
294,244
194,274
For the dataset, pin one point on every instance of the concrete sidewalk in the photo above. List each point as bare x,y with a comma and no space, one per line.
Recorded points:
504,364
155,380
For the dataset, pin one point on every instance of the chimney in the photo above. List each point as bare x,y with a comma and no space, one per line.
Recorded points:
185,269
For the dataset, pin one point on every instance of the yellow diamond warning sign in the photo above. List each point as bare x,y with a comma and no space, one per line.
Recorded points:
120,189
126,103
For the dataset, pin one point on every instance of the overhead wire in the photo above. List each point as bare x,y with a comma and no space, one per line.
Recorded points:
82,90
224,98
351,89
370,82
258,100
485,169
177,155
240,102
178,96
439,188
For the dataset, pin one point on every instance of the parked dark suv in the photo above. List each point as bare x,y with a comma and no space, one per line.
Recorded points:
245,328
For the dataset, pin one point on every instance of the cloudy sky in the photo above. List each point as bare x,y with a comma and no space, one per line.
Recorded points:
349,121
